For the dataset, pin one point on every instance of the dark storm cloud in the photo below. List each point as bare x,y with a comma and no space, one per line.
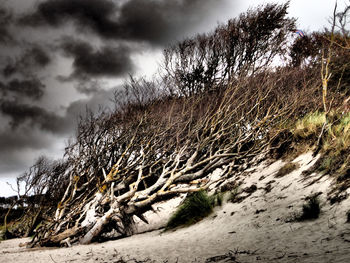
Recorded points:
161,21
97,62
33,115
10,139
95,14
32,58
13,143
5,20
37,56
32,88
156,21
16,142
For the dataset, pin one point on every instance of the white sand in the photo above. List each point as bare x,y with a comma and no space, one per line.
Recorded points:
235,227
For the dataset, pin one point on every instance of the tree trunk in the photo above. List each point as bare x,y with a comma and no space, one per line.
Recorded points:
99,225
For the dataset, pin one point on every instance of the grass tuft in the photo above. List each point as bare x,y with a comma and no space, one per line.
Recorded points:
195,207
311,209
217,199
338,139
234,195
309,125
286,169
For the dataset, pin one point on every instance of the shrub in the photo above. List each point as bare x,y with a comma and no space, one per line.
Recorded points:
286,169
195,207
311,209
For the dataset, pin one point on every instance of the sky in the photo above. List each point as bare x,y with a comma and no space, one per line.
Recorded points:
59,57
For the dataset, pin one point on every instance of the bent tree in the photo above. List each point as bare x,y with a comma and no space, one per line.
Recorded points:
121,165
149,150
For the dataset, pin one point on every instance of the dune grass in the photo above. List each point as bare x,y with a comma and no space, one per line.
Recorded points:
311,209
195,207
338,139
309,125
286,169
335,158
2,232
217,199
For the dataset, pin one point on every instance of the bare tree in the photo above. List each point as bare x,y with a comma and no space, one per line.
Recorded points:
37,191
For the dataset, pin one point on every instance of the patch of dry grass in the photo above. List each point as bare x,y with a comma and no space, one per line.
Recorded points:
309,125
286,169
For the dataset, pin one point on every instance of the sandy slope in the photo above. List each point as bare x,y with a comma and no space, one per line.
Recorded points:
254,230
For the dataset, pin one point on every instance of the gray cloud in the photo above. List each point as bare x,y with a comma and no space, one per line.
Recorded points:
110,61
35,57
155,21
31,88
14,144
35,116
38,130
102,99
91,13
5,20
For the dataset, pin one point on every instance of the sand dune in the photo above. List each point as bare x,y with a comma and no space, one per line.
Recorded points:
254,230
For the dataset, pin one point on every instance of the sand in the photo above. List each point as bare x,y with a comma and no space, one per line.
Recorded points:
255,230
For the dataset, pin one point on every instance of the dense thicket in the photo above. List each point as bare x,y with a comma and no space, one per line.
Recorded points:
224,98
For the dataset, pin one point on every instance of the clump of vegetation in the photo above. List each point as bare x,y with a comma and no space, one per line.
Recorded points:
311,209
338,139
233,197
348,217
195,207
251,189
2,233
334,147
309,125
326,163
217,199
286,169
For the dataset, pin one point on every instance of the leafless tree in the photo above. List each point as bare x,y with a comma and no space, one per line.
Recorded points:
37,191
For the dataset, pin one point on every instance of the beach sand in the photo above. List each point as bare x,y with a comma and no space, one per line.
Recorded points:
254,230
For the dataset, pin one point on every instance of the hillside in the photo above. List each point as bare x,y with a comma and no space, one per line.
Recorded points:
249,115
